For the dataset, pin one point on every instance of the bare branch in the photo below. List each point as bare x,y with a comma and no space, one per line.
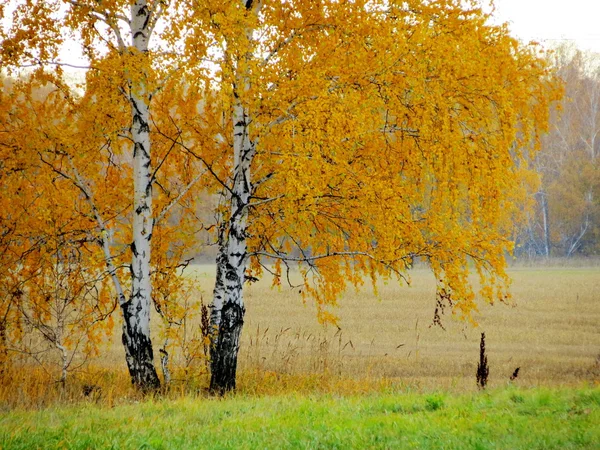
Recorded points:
107,18
156,15
177,199
198,157
263,201
310,259
40,62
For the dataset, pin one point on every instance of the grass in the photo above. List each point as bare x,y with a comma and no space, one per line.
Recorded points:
541,418
384,379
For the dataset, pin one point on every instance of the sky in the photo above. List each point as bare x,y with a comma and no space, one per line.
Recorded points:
546,21
551,21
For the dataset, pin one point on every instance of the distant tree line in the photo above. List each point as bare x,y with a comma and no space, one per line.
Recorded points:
565,220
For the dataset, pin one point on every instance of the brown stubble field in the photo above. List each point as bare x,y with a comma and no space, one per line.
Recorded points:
552,332
384,342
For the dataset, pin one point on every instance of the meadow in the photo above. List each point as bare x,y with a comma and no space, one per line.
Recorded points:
501,419
384,365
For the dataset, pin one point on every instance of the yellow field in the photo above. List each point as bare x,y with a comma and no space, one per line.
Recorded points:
552,334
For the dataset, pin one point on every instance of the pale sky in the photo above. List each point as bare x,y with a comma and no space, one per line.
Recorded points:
550,21
546,21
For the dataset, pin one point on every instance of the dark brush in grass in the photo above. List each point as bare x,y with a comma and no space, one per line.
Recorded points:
515,374
483,370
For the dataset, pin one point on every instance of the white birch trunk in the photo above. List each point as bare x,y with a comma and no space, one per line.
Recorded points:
4,361
64,358
227,309
136,311
546,218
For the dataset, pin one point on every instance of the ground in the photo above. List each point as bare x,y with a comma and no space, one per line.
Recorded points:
384,372
502,419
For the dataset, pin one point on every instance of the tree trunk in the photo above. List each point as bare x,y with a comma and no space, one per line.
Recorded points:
227,315
4,361
64,359
227,309
138,347
136,311
546,218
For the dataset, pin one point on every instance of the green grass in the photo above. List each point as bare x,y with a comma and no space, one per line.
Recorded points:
507,418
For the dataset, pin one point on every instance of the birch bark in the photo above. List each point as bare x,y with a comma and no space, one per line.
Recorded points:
136,311
546,217
227,309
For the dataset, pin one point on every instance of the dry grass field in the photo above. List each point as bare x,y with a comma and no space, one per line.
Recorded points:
552,333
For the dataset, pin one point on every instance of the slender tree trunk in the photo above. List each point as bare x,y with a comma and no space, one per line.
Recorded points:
136,311
4,361
227,309
546,218
64,359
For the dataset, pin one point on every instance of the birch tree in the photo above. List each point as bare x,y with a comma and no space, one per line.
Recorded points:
345,139
106,140
349,138
567,199
54,302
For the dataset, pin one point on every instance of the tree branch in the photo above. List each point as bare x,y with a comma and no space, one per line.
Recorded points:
310,259
198,157
104,232
179,197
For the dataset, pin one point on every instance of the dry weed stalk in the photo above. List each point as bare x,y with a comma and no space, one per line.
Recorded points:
483,369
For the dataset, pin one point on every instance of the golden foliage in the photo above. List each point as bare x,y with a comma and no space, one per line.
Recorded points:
384,131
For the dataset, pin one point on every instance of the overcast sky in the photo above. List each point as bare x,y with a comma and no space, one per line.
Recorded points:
550,21
545,21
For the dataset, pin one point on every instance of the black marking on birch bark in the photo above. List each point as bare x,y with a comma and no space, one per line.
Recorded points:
139,147
144,127
224,352
247,151
143,10
231,274
249,4
245,183
145,26
138,351
234,216
140,209
135,276
137,114
133,250
238,234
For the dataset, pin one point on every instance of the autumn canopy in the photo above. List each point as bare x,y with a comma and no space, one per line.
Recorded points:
342,139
